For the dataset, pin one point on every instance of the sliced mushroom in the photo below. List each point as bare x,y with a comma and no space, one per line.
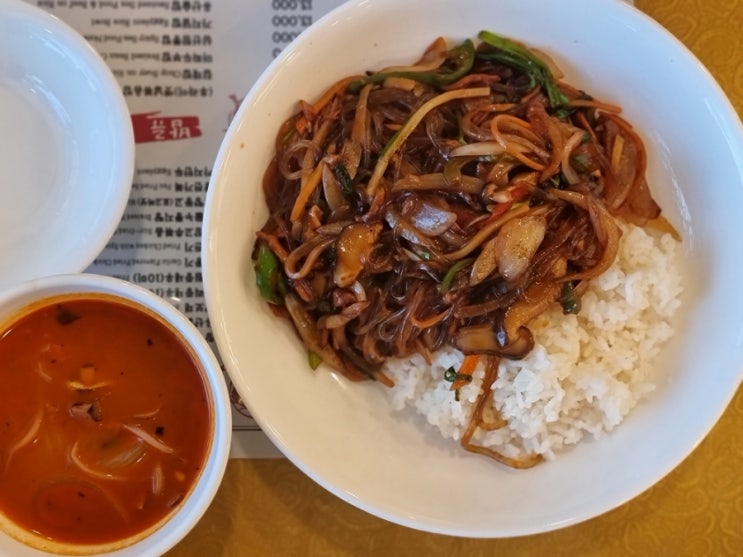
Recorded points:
332,189
486,339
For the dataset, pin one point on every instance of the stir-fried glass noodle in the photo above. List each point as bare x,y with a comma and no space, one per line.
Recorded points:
445,204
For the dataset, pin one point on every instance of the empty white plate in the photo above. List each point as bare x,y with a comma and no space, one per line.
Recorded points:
66,147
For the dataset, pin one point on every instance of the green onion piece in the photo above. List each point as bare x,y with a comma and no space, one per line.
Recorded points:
563,113
513,54
314,359
458,63
453,270
579,162
342,175
558,181
451,375
268,275
568,300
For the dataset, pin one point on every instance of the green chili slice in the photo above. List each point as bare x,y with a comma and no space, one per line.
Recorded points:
314,359
268,275
569,301
513,54
453,270
344,178
451,375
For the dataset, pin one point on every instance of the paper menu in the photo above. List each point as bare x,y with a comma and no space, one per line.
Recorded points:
183,66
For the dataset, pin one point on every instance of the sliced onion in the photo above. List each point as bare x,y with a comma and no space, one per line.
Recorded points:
549,62
149,439
432,220
78,386
359,290
535,301
516,243
297,152
567,169
478,149
432,58
42,372
310,335
347,314
485,264
125,457
310,252
402,227
158,479
147,415
28,437
100,474
486,232
331,188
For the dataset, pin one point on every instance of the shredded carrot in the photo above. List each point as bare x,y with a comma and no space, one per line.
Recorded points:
469,80
336,89
592,103
465,371
429,322
274,243
308,186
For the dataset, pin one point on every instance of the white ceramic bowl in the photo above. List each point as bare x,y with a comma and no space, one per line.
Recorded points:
198,499
343,434
66,147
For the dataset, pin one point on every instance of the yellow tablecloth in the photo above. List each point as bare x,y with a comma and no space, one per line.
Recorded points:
268,507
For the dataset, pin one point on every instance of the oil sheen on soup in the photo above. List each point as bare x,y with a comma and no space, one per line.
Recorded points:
104,421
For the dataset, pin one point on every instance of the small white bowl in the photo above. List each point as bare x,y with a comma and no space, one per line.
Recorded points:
200,496
66,147
344,435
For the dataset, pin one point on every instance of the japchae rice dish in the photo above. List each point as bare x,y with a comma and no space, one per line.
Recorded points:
477,235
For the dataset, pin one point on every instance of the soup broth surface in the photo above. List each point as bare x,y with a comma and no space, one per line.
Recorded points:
104,421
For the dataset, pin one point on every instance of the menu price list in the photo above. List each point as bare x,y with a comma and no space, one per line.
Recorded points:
183,67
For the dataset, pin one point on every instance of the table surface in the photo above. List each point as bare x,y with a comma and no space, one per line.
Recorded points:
269,507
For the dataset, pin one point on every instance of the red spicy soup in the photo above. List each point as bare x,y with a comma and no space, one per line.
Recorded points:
104,420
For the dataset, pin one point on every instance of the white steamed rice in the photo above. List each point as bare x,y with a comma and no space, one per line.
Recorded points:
586,371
